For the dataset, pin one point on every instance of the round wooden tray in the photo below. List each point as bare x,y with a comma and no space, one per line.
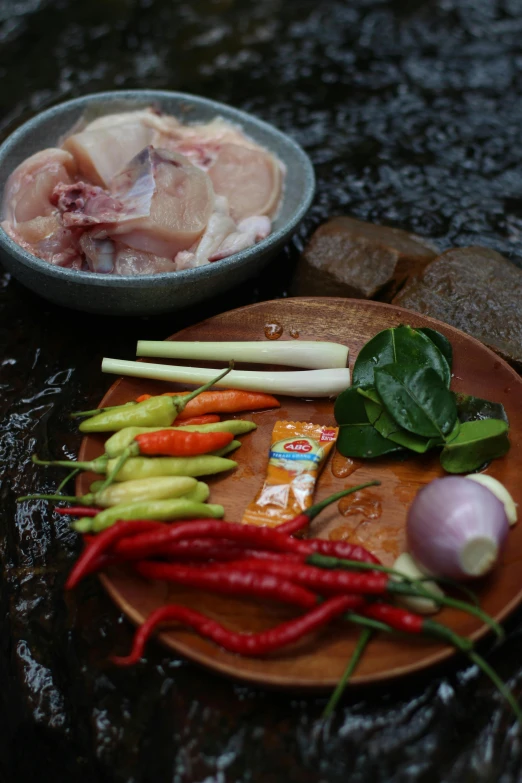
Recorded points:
318,661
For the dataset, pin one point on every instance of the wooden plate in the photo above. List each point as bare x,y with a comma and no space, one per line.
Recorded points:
377,520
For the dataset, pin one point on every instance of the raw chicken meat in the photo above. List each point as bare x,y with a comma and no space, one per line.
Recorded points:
140,193
137,262
103,150
29,188
248,232
47,238
250,179
160,203
100,254
181,203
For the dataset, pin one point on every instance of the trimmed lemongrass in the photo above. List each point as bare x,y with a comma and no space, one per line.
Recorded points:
311,354
296,383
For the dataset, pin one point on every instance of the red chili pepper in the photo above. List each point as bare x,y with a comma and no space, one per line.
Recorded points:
396,618
160,542
102,543
176,443
198,550
146,544
342,549
251,644
211,418
231,582
208,549
78,511
322,581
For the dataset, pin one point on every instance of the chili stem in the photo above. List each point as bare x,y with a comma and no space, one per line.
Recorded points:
454,603
461,644
405,586
66,480
188,397
484,666
96,411
120,462
66,463
360,647
368,622
316,509
71,498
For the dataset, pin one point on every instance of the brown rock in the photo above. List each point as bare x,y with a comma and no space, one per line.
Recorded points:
476,290
346,257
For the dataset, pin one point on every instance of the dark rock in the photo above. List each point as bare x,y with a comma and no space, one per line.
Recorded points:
476,290
346,257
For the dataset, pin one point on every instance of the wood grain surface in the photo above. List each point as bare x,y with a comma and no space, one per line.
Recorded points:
375,518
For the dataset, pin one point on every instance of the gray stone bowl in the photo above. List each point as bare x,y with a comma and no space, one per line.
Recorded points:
166,292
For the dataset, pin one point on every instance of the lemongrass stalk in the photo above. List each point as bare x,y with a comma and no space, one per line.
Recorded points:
297,383
311,354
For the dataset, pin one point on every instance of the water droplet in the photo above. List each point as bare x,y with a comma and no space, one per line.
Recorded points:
342,467
294,334
273,331
365,504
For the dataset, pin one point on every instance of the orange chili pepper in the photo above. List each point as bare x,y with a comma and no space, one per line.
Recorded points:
227,401
177,443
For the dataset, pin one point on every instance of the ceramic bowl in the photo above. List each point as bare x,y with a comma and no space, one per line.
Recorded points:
166,292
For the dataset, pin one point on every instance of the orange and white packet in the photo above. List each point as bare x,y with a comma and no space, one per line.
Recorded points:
298,452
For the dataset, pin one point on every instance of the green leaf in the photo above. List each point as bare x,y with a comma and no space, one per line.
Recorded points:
478,442
454,432
363,442
388,428
442,343
370,394
471,408
349,407
417,399
357,437
400,345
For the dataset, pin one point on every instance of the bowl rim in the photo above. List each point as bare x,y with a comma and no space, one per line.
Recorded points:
185,275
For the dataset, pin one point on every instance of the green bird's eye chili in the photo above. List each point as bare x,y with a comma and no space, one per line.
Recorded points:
157,510
149,467
159,488
157,411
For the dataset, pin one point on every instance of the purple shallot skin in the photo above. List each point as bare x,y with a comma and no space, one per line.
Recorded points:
456,528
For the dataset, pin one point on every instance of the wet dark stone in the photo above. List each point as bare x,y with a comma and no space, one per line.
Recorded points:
476,290
347,257
411,112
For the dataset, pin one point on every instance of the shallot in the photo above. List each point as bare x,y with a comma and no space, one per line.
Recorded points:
456,528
